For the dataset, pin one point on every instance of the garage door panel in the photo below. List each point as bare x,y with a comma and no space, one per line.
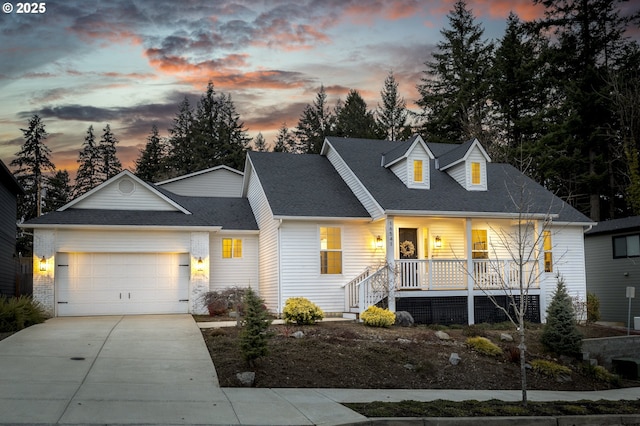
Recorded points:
122,283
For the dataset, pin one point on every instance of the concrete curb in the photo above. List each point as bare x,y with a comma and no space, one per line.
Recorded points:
592,420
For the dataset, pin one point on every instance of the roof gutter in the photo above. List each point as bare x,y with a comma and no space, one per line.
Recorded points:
122,227
323,218
459,214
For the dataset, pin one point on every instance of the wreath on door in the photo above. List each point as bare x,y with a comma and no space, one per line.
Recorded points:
407,248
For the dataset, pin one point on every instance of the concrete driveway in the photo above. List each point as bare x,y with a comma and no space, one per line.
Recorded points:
152,369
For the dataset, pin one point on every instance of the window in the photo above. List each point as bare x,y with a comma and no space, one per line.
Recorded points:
475,173
546,247
479,247
330,251
417,171
626,246
231,248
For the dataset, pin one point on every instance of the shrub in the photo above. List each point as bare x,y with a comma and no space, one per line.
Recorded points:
483,346
253,337
560,334
550,368
301,311
17,313
593,307
219,302
600,373
378,317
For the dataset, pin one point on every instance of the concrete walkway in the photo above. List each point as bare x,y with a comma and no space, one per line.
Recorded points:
157,370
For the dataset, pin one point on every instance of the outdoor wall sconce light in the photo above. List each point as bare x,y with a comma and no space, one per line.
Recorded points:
379,242
43,264
200,265
437,243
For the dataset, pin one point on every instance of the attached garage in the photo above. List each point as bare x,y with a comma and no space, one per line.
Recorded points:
122,283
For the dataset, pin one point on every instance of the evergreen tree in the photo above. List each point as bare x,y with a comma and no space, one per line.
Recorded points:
454,90
259,143
315,124
253,337
392,115
32,162
88,175
590,42
58,191
181,157
285,141
353,120
218,134
150,165
560,334
519,95
109,165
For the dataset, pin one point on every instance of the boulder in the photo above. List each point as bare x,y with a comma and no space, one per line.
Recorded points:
404,341
247,378
404,319
298,334
442,335
506,337
454,358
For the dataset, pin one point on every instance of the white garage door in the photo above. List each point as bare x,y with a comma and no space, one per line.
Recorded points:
122,283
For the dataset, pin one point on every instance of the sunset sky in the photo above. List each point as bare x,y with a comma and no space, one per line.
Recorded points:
129,63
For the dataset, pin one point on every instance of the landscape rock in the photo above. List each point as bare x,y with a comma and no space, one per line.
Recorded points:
410,366
454,359
404,341
442,335
298,334
404,319
246,378
506,337
564,378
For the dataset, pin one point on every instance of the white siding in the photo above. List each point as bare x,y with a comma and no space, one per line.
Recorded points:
123,241
400,170
568,260
216,183
458,173
242,272
356,187
300,260
112,198
268,263
450,231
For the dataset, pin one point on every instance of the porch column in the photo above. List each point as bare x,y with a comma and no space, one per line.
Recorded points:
390,253
470,281
540,276
44,246
199,282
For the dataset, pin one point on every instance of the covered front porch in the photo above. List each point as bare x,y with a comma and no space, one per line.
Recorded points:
471,258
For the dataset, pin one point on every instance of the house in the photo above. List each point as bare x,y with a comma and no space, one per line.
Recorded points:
337,228
612,253
9,191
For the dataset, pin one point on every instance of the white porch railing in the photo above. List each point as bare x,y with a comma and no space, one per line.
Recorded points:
451,274
366,289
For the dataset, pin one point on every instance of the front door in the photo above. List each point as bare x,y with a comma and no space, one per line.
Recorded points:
408,250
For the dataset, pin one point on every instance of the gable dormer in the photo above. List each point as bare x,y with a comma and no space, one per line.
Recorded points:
467,164
411,163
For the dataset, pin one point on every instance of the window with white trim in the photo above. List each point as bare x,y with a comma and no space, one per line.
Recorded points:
231,248
330,250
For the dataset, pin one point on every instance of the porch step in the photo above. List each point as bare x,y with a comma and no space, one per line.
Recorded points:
350,315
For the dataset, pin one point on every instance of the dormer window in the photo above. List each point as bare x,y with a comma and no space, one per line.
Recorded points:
475,173
417,171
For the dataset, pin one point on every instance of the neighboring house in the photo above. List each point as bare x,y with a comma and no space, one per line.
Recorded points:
9,191
612,253
317,226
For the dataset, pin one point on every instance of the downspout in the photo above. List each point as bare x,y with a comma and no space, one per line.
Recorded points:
279,270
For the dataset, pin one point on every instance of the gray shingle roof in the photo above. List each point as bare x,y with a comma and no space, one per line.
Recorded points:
456,153
305,185
616,225
446,195
229,213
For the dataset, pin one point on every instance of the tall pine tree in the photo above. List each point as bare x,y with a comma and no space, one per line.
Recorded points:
88,175
454,91
392,115
285,142
150,165
181,157
354,120
315,124
109,164
58,191
32,162
259,143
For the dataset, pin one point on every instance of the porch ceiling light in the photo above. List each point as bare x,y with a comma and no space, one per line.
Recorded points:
437,243
379,242
43,264
200,265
